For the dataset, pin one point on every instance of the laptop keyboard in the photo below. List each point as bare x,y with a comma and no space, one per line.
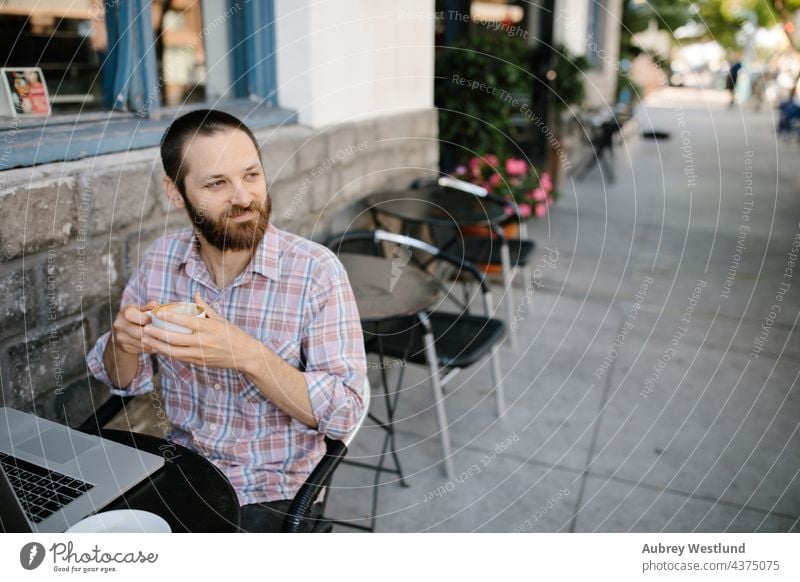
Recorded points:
41,492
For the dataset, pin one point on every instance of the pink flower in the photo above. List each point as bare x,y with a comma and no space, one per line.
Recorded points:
475,167
538,194
461,171
516,167
492,160
524,210
546,182
541,210
509,210
495,180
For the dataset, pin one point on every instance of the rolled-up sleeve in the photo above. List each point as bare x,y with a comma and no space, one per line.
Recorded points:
135,293
336,365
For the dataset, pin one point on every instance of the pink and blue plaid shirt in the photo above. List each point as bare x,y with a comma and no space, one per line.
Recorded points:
295,297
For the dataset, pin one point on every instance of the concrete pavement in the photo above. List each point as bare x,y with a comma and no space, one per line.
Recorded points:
655,388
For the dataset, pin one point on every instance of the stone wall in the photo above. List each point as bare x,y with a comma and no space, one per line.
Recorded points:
72,233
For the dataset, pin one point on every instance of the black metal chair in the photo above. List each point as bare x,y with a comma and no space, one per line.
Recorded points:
510,255
602,130
309,492
445,341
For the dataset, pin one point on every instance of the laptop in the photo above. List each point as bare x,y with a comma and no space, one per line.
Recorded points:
53,476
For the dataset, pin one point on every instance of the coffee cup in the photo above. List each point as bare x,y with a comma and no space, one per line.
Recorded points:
182,308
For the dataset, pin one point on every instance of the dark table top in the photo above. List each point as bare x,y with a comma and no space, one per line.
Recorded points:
189,492
388,287
438,206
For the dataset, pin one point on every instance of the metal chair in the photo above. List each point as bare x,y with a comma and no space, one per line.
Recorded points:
511,255
309,492
602,130
443,340
321,476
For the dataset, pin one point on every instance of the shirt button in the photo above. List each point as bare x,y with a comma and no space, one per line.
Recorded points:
215,305
212,426
217,386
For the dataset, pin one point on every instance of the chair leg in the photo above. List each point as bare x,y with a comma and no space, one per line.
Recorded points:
527,278
497,377
441,415
505,257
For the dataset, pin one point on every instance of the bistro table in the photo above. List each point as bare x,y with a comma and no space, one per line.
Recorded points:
436,206
188,492
383,291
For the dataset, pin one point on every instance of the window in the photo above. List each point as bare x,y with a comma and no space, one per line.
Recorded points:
63,42
70,44
147,64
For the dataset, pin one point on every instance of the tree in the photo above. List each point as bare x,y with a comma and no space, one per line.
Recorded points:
722,19
669,15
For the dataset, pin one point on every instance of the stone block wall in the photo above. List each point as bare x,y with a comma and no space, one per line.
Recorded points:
72,233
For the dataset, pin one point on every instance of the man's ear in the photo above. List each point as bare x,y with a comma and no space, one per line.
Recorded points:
171,191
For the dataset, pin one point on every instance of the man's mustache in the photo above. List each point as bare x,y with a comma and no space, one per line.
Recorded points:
239,210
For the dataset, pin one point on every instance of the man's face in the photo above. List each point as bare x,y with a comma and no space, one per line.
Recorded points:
226,190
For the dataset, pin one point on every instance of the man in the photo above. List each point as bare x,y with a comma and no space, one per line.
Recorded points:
731,80
279,361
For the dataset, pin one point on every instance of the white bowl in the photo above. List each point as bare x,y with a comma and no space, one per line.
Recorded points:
122,521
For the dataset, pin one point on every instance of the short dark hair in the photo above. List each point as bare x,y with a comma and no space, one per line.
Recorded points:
204,122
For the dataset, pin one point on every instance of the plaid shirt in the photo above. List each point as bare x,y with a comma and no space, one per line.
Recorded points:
295,297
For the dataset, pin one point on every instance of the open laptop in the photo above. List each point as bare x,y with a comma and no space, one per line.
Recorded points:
56,476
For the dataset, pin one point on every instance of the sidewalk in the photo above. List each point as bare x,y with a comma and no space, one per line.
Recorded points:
655,384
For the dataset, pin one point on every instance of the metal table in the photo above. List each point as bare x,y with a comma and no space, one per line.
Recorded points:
388,287
437,206
189,492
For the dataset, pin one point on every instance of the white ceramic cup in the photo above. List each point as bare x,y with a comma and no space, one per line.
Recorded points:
192,309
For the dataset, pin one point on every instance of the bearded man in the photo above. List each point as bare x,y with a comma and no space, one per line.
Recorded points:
278,363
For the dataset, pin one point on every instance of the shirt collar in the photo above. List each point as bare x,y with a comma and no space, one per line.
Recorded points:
264,260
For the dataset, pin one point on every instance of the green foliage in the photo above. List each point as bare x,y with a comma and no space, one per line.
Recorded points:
568,85
722,19
484,88
636,16
476,79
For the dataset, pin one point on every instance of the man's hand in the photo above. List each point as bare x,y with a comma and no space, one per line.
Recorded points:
121,358
215,342
128,329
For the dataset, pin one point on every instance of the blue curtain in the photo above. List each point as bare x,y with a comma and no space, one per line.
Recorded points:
253,50
129,71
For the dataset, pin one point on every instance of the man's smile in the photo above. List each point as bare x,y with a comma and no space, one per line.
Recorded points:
245,216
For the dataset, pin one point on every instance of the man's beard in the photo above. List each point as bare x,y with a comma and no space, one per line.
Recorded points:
232,236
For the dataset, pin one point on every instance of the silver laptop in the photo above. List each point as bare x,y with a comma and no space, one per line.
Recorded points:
60,475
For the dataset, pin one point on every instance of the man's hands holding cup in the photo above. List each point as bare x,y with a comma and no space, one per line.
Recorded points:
214,342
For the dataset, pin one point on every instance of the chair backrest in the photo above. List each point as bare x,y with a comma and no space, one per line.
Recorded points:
321,475
456,184
478,191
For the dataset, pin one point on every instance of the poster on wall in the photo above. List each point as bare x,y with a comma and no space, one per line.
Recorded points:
25,92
